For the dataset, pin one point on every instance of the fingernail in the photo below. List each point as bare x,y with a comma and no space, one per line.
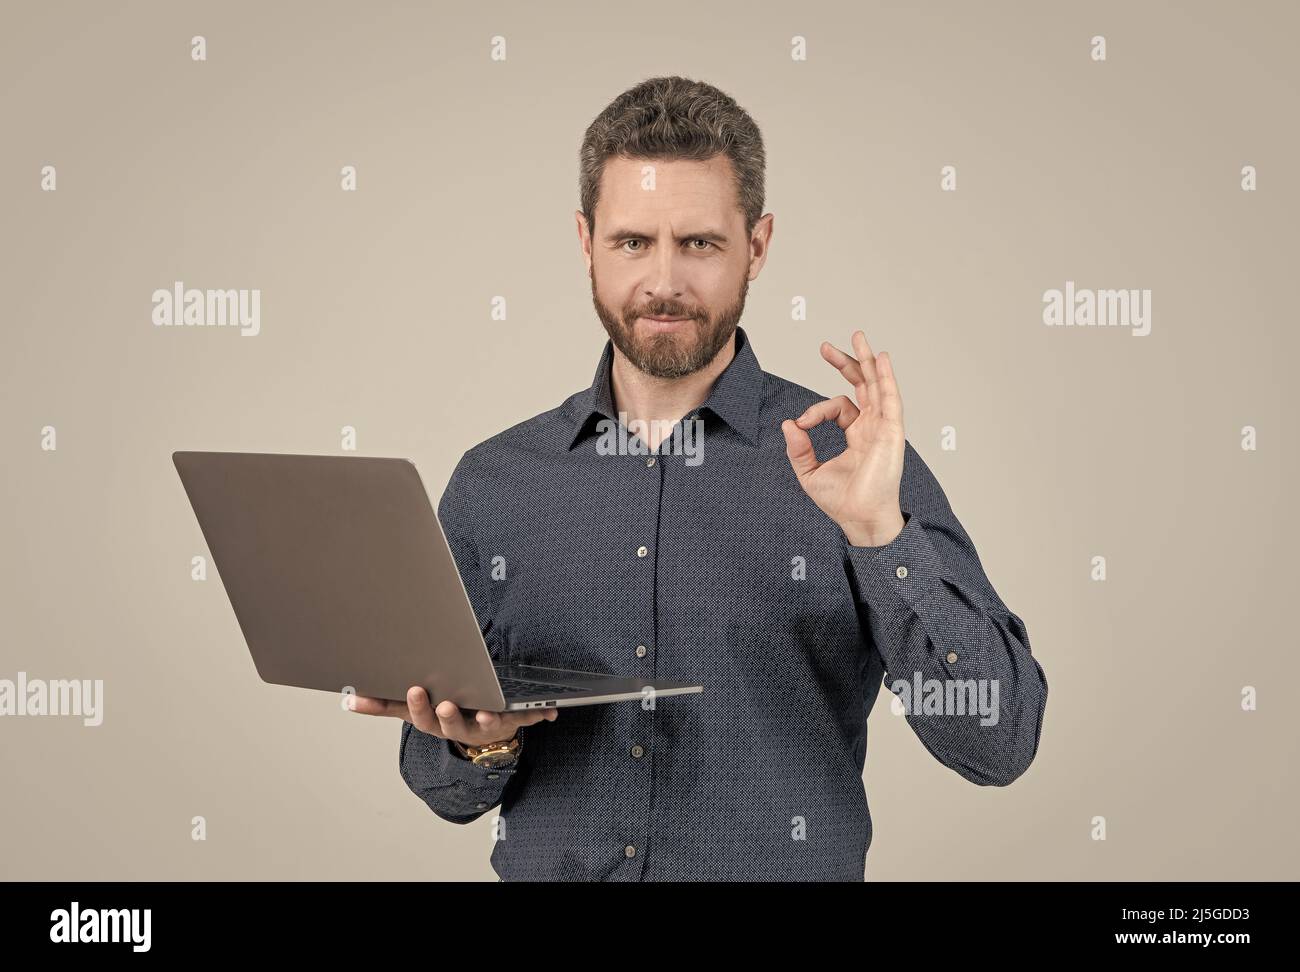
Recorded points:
352,702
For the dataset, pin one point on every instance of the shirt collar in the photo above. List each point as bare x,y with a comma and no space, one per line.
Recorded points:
736,396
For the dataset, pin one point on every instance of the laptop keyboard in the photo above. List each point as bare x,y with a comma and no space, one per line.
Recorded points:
517,688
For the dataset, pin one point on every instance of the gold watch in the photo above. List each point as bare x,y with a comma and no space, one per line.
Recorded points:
494,755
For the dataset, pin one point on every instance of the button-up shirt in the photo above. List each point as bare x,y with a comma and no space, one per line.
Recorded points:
713,566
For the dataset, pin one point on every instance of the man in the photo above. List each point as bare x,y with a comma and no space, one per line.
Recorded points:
798,555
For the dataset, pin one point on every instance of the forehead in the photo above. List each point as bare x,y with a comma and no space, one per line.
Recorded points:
682,189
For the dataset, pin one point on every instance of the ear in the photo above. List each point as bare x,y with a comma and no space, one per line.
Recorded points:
584,237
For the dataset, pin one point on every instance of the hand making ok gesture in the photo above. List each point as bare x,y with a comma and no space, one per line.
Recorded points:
858,489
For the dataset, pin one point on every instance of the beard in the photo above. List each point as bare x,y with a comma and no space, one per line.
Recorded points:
675,354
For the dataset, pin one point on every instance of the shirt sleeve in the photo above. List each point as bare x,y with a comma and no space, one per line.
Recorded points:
953,653
455,788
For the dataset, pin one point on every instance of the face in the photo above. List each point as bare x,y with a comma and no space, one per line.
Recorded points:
670,265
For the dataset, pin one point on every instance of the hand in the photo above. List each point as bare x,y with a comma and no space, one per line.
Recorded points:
447,721
858,489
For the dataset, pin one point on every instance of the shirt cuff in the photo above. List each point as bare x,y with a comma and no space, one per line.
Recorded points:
906,569
906,582
433,769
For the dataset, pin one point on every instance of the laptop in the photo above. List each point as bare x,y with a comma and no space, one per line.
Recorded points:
341,578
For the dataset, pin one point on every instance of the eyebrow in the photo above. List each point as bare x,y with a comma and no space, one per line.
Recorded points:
712,236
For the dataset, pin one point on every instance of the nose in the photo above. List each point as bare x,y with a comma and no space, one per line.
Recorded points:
664,284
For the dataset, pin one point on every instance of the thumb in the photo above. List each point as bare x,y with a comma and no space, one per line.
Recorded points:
799,449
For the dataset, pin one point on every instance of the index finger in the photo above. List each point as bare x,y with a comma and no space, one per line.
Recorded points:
421,711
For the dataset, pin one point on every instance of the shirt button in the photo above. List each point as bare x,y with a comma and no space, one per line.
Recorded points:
494,776
952,656
901,572
629,851
638,752
640,651
641,551
482,806
650,461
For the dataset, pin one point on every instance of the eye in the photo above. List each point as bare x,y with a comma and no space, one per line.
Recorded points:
633,240
707,243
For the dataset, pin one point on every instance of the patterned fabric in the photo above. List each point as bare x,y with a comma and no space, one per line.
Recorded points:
745,587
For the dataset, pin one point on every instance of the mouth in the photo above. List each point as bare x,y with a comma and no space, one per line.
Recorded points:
661,324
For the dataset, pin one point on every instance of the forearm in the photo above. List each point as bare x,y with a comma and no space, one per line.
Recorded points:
973,692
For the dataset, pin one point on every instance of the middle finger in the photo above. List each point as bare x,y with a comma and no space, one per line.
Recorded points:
867,359
850,368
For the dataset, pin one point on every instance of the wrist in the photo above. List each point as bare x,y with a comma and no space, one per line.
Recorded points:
873,534
461,749
493,755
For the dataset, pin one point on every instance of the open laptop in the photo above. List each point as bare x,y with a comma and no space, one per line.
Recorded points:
341,578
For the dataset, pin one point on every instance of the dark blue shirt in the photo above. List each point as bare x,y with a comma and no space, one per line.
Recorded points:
744,586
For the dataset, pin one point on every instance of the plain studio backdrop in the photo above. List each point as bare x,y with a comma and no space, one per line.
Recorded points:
376,313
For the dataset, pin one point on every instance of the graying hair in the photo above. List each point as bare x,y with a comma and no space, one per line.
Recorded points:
674,118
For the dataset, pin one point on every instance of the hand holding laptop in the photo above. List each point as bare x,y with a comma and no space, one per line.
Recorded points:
447,721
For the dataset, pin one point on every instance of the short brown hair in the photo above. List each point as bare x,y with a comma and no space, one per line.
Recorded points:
674,118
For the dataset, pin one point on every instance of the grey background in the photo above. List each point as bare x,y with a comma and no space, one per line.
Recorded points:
1072,443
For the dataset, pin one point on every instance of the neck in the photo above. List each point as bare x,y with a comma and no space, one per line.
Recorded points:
659,403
